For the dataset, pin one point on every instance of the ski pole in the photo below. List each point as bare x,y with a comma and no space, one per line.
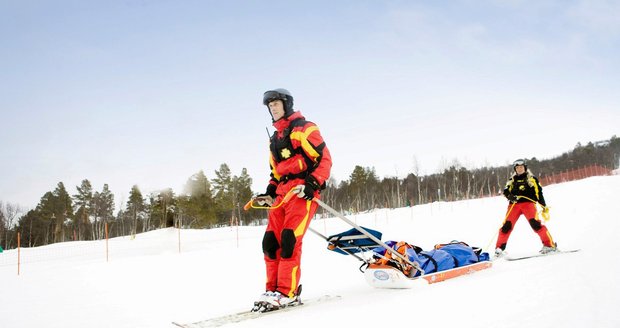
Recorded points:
497,230
367,234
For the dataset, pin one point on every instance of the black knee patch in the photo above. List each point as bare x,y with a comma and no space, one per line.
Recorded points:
535,224
270,244
288,243
507,227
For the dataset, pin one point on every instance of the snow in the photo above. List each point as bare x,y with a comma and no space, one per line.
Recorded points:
148,283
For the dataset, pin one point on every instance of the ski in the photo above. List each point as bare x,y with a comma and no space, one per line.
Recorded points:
249,315
509,258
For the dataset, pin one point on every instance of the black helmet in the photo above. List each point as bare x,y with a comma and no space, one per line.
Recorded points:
280,94
519,162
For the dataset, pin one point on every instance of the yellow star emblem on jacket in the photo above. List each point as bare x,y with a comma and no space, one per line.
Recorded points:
285,153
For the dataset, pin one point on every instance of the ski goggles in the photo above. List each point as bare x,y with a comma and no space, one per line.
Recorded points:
270,96
518,162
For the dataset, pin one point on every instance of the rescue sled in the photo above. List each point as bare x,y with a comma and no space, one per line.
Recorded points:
384,266
384,276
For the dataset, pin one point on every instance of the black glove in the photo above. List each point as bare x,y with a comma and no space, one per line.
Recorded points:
512,198
310,187
268,196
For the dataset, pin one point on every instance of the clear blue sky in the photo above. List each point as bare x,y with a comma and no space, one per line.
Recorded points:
150,92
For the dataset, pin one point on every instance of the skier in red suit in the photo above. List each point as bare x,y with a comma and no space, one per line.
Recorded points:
522,191
299,159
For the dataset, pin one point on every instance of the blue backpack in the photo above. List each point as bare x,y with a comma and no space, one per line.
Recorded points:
429,261
462,253
436,260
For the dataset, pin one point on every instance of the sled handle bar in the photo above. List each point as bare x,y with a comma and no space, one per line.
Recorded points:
287,197
369,235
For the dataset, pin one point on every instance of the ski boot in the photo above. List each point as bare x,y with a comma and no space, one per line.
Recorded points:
263,301
549,249
271,301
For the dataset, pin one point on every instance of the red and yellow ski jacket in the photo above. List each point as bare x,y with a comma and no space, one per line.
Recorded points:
526,185
297,150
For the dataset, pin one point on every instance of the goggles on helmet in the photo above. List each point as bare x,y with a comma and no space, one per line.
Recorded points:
270,96
518,162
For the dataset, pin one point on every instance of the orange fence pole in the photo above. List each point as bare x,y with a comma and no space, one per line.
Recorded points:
107,251
19,244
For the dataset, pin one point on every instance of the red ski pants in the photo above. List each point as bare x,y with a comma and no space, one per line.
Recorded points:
282,243
528,209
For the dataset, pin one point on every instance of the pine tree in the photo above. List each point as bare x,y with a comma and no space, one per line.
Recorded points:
198,185
242,191
224,196
34,228
197,206
363,186
162,208
64,211
104,211
84,204
3,226
135,208
57,207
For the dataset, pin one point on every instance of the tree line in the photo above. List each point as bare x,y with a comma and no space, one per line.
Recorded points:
364,190
89,214
209,203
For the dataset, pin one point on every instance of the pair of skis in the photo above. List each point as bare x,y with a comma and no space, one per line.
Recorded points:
249,315
255,312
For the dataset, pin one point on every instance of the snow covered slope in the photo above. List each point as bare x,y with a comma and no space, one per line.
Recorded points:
148,283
